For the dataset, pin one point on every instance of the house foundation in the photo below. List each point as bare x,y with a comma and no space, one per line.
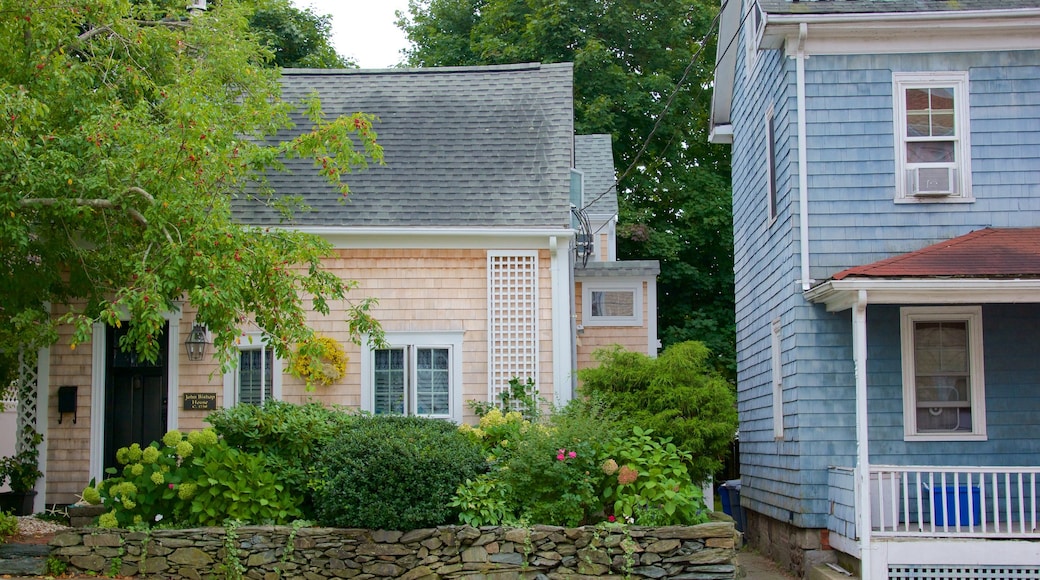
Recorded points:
795,549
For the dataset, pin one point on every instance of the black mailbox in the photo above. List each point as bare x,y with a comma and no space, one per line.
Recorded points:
67,402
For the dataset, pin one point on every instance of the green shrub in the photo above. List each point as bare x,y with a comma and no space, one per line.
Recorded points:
288,435
483,501
193,480
8,526
396,473
548,474
651,484
236,485
678,395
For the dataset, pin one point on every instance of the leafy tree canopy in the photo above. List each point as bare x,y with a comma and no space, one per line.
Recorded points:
128,129
298,38
629,57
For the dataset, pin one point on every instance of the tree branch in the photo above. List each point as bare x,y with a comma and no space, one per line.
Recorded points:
96,203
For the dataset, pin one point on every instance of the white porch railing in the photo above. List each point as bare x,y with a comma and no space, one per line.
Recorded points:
944,501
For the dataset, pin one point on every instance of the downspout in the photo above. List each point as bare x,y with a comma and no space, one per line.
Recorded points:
859,354
803,173
562,339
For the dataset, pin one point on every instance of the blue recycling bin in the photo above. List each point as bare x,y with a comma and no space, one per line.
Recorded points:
956,512
729,494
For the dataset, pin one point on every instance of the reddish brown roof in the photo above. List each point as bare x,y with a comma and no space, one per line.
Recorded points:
986,253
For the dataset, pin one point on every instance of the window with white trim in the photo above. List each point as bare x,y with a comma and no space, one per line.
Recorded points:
257,377
943,385
613,304
417,374
933,154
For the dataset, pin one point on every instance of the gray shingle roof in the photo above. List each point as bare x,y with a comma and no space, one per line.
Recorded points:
594,157
881,6
464,147
633,268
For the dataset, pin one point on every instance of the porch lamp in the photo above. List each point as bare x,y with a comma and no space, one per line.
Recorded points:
196,342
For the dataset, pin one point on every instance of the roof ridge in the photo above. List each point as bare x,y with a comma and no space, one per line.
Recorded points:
423,70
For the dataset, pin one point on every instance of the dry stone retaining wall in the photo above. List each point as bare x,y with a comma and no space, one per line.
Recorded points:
703,552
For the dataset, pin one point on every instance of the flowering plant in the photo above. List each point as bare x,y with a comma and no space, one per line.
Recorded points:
653,483
154,483
194,479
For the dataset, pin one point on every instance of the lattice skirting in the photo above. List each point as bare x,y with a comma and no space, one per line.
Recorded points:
963,573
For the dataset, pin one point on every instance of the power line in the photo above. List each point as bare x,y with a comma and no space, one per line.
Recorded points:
675,91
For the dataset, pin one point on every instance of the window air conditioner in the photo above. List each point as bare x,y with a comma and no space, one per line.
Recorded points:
933,181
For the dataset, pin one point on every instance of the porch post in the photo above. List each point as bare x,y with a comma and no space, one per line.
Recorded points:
859,353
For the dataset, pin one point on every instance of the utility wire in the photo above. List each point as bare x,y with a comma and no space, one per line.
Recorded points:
675,91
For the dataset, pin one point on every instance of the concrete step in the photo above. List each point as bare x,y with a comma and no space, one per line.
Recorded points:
829,572
23,559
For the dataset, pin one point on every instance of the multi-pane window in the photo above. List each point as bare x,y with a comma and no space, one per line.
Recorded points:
255,376
412,381
932,153
418,373
258,375
942,373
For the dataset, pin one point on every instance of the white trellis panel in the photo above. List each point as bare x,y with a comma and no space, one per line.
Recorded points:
512,319
28,409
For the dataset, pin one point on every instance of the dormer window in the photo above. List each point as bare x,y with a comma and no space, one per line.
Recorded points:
932,151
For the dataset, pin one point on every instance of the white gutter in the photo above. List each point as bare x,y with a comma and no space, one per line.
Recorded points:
968,15
433,238
429,231
803,170
859,355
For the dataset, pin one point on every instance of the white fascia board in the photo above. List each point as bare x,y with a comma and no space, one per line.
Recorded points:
910,32
438,238
725,65
721,135
840,295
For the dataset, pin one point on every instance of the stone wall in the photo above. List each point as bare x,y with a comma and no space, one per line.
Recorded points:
703,552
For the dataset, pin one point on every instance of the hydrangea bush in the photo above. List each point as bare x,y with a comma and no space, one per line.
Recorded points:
193,479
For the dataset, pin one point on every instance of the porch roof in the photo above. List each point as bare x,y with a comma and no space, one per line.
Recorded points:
987,265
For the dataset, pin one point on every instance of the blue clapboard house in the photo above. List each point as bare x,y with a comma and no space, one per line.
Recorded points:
886,207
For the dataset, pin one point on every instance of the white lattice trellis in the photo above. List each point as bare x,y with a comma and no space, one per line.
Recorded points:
963,572
27,400
512,319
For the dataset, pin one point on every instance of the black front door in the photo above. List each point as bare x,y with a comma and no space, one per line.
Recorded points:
136,396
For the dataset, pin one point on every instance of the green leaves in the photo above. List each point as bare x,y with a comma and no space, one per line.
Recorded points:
679,395
629,57
132,127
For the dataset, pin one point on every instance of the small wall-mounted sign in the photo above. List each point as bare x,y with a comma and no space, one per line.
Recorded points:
200,401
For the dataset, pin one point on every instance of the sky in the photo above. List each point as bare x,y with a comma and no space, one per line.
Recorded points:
364,29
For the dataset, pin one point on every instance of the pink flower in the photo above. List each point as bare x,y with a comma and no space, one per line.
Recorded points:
627,475
171,486
560,457
561,451
572,455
